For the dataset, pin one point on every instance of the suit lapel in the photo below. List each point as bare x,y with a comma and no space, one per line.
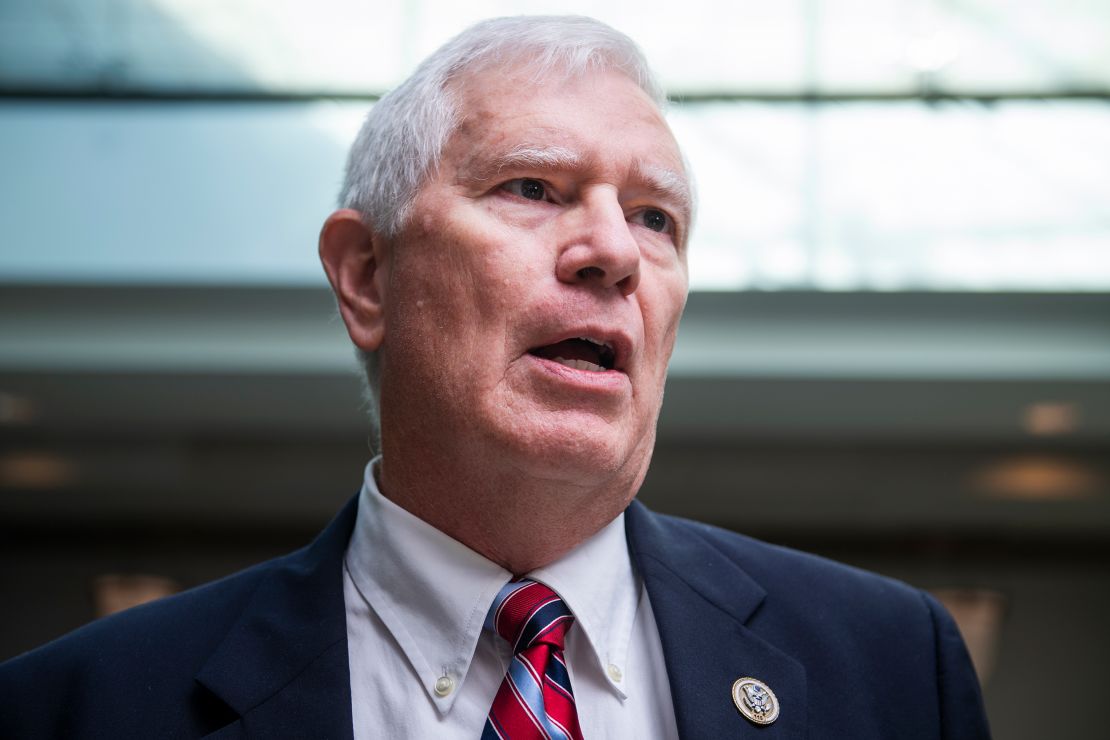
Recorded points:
702,602
283,666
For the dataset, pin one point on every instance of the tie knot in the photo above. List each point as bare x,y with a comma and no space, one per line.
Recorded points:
527,613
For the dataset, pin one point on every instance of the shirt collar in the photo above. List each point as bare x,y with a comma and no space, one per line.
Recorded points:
597,582
433,593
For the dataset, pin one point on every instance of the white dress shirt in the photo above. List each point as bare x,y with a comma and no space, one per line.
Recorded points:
423,667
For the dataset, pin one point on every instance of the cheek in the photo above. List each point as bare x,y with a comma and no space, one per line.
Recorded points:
433,269
665,309
462,283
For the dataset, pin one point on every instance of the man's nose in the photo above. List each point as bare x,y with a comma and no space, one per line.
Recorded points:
599,248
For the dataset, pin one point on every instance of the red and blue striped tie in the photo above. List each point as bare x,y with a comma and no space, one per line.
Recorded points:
534,699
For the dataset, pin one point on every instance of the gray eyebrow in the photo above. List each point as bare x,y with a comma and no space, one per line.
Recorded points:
527,156
667,184
544,157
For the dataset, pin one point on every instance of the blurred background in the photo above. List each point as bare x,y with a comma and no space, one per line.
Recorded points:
896,352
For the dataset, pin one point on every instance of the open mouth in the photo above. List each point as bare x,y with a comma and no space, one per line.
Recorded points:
580,353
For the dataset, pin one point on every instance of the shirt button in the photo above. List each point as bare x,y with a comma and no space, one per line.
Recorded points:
444,685
615,672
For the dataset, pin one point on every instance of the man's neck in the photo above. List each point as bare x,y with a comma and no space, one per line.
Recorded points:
518,521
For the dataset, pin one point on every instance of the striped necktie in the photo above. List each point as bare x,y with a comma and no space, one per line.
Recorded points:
534,699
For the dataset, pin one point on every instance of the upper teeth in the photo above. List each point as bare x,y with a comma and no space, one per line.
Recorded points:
579,364
598,342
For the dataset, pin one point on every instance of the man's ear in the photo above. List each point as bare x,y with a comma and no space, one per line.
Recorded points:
353,258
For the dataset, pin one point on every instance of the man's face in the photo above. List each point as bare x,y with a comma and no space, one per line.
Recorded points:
533,297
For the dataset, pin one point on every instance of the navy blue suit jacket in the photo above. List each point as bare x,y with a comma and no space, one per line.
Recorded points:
263,653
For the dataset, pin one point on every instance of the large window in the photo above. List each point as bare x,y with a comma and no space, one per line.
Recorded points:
851,145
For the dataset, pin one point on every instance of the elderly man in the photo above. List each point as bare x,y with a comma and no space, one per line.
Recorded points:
511,265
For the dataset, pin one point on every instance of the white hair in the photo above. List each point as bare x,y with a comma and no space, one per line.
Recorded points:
399,145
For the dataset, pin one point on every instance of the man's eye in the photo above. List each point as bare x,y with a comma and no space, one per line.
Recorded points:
655,220
527,188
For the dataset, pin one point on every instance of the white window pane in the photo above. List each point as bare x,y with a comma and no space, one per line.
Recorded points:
953,196
787,47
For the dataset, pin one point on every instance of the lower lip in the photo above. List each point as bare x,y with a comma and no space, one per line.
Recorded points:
605,381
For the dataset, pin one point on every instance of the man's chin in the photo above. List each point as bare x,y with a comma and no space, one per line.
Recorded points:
580,456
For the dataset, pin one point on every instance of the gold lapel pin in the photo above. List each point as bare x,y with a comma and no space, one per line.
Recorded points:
755,700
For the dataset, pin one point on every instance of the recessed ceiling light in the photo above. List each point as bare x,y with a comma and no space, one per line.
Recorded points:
114,592
1051,418
15,409
36,470
1037,479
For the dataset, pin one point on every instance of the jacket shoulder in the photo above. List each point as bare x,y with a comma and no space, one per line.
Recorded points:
877,636
115,669
784,571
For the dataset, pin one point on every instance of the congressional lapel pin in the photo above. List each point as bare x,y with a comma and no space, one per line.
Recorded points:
755,700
